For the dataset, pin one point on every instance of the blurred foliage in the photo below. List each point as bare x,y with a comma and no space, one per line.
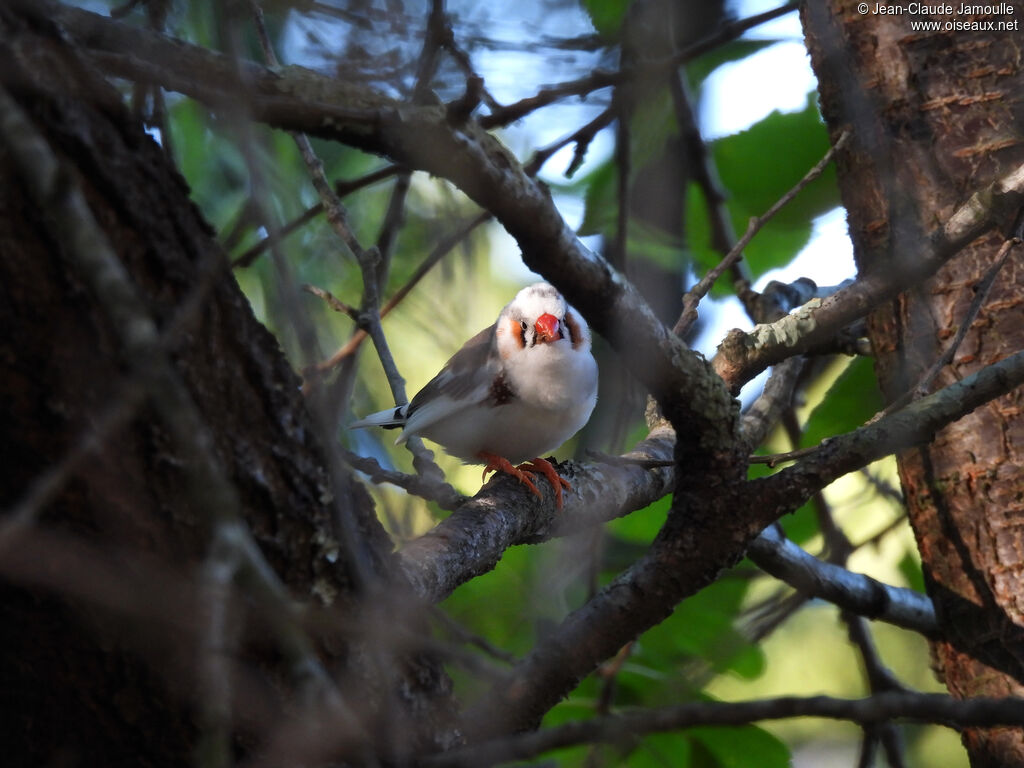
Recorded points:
850,401
757,166
705,649
606,15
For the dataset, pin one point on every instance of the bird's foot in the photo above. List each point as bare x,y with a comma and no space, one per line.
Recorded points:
547,469
524,473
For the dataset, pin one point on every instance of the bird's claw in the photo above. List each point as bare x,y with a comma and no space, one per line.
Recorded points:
524,472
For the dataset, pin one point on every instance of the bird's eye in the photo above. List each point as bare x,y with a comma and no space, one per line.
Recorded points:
523,325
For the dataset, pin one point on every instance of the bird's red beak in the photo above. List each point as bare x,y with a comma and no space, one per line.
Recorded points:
547,328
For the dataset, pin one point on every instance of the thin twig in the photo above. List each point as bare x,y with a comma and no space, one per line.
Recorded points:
342,188
582,137
431,489
440,251
619,254
609,672
775,459
463,635
879,677
600,78
333,302
765,412
220,568
364,572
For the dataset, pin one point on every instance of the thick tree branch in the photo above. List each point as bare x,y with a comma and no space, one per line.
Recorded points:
850,591
473,539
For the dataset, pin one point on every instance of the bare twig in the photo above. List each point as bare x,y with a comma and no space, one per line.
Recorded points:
220,569
775,459
723,237
618,251
341,188
441,250
879,677
369,319
428,488
582,137
766,411
465,636
599,78
333,302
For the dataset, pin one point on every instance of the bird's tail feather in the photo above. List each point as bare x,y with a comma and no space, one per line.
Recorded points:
393,418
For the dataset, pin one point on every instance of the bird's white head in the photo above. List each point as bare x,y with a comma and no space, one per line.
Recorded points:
536,318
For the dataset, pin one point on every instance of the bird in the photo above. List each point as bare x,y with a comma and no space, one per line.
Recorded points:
513,392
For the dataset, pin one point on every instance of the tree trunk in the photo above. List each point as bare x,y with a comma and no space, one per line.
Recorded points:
934,115
98,613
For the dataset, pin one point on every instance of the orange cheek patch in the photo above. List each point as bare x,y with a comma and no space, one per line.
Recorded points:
517,333
513,329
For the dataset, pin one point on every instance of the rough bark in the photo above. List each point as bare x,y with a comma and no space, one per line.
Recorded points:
934,115
98,607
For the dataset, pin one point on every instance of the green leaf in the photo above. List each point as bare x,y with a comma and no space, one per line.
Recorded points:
757,167
910,567
642,526
607,15
659,750
599,200
852,399
749,663
760,164
703,626
802,525
742,747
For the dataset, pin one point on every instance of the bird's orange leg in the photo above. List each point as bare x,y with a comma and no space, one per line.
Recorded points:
557,481
497,463
524,471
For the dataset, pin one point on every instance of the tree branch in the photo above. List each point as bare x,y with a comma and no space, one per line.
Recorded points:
473,539
741,356
915,424
880,708
854,592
